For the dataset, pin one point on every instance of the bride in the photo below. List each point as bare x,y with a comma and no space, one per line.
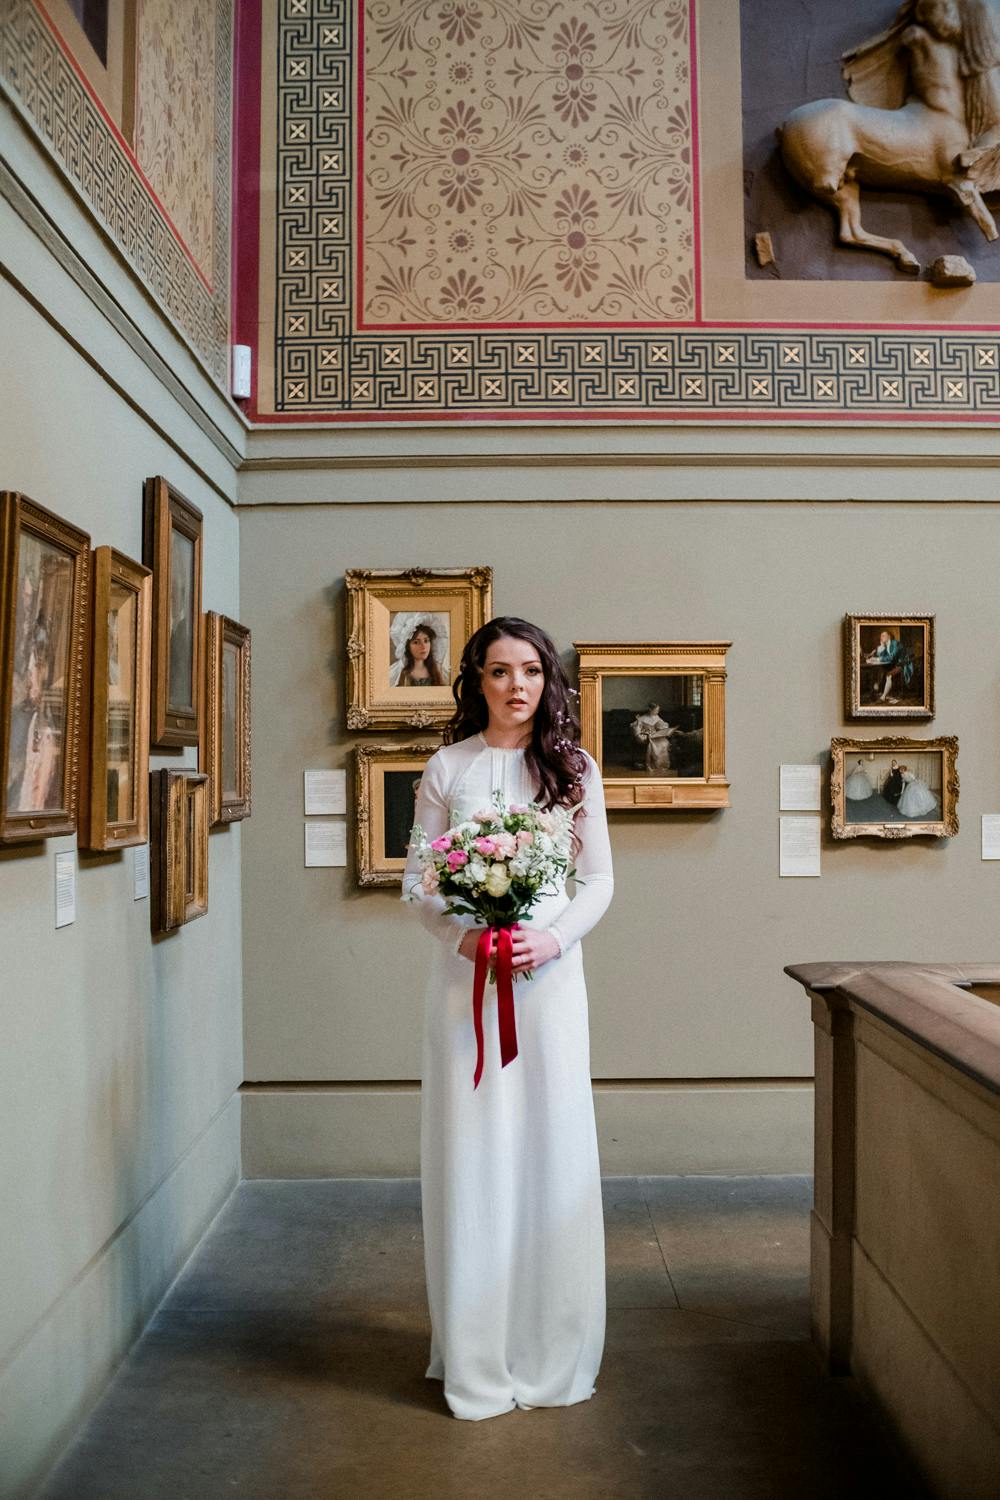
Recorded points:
917,801
510,1176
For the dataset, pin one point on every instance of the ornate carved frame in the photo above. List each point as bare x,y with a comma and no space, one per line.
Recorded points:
18,514
179,855
96,832
164,509
853,707
944,827
374,866
465,593
602,659
219,630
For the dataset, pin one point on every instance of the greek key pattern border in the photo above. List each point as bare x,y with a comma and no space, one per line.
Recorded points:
326,366
47,89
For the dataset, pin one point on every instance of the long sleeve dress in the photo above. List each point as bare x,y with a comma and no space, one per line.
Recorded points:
510,1176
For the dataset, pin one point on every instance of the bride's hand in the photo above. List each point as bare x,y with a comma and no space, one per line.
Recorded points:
470,943
533,947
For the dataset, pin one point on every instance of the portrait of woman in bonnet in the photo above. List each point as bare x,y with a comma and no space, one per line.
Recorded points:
419,650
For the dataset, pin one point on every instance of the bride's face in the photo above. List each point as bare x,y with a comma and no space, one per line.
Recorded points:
513,681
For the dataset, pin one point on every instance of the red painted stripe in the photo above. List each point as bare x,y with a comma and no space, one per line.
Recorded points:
650,415
695,161
359,174
246,179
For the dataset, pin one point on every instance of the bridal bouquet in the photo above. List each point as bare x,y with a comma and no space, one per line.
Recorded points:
494,866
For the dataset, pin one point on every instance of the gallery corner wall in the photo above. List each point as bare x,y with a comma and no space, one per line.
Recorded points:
701,1050
122,1056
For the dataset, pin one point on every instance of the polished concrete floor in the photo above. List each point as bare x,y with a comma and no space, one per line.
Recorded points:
288,1361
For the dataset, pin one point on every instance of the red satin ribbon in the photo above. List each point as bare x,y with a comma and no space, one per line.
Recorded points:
505,995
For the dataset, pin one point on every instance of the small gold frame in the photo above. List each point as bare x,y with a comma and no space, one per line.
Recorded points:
43,626
178,803
376,865
374,598
98,828
892,747
224,751
166,512
703,666
916,633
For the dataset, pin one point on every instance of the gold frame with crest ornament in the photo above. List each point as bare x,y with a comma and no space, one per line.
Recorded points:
375,864
458,600
844,747
615,666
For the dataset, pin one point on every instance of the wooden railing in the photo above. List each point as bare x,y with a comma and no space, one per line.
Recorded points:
906,1216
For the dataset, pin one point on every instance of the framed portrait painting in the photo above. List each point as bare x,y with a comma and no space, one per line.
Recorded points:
405,633
889,666
178,848
653,716
387,781
115,801
225,743
44,583
172,529
893,788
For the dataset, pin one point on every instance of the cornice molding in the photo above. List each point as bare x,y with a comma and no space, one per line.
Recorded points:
614,460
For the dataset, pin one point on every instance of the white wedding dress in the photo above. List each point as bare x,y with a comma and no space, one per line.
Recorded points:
510,1176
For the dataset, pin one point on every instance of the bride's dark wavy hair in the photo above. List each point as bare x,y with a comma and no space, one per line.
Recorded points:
554,754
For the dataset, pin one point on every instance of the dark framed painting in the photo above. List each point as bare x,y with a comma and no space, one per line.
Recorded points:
172,532
115,802
225,743
178,802
44,599
893,787
889,666
405,635
653,716
388,779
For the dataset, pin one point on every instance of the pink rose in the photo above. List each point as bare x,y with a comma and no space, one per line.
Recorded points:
518,807
485,845
442,843
429,880
486,815
525,837
506,843
457,858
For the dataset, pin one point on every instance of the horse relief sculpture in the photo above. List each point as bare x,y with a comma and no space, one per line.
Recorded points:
923,115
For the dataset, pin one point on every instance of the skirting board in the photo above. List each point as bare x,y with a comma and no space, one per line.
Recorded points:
58,1373
331,1131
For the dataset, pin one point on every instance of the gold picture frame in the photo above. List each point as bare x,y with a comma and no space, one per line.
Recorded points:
178,803
888,666
902,788
653,760
114,810
172,533
224,751
44,601
386,611
386,781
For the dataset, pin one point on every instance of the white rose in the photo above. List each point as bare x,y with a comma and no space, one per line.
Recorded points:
498,880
